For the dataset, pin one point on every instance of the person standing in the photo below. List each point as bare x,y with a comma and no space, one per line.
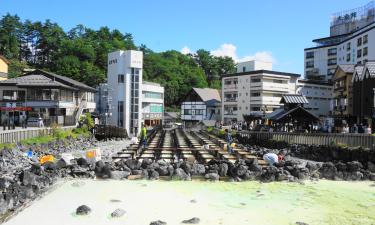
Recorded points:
229,140
144,136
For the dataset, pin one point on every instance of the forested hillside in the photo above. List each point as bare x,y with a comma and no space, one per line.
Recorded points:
81,53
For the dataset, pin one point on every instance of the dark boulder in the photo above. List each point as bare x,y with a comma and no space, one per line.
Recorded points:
134,164
198,169
354,166
371,167
153,174
82,162
241,170
83,210
328,170
193,220
48,166
28,178
179,174
118,213
137,172
212,176
223,169
158,222
163,170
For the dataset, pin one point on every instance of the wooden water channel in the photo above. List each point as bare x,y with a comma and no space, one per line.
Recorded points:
174,145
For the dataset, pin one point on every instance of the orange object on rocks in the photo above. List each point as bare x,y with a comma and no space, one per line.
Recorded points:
46,158
91,154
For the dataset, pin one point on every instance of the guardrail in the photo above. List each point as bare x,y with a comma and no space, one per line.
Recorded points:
14,136
350,140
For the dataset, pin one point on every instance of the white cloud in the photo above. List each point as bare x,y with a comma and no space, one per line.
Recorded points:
231,51
185,50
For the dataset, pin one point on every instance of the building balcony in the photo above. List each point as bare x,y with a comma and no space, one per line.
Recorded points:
230,99
231,86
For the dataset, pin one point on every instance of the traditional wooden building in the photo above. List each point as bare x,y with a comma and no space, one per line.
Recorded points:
364,92
343,95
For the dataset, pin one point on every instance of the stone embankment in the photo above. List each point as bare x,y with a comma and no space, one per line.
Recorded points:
23,179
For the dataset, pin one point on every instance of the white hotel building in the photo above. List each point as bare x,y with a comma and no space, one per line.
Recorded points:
133,101
351,41
254,92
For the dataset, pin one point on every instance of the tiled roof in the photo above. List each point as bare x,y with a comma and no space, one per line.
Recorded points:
347,68
294,98
34,80
208,94
371,68
62,79
281,113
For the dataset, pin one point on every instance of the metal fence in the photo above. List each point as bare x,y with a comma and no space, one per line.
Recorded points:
350,140
14,136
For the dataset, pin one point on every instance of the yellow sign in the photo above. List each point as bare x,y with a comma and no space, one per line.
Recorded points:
46,158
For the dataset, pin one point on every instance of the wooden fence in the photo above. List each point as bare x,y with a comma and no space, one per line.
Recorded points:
105,132
350,140
14,136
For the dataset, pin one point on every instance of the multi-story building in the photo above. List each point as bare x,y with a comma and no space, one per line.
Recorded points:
152,103
54,98
200,104
343,94
3,68
364,93
253,65
132,100
319,96
351,41
124,77
254,92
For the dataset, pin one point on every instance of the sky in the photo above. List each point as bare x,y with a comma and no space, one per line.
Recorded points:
270,30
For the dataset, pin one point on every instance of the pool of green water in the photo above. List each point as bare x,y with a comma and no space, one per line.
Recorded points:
322,202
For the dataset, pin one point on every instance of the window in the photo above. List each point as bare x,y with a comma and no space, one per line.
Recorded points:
199,112
187,111
255,80
309,55
359,53
120,78
120,111
348,45
277,81
348,57
155,95
365,51
365,39
330,72
255,109
310,64
255,94
359,41
244,69
227,82
332,51
112,61
277,95
332,62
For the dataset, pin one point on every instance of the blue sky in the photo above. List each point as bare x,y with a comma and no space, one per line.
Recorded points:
275,30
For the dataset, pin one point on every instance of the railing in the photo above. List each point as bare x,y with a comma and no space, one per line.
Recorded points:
14,136
350,140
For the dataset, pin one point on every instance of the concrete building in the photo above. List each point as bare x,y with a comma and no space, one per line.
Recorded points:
351,41
255,92
55,98
152,103
200,104
132,100
253,65
319,96
124,77
3,68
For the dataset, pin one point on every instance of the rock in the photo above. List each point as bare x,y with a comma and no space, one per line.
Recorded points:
78,184
193,220
82,162
354,166
312,166
341,166
371,167
134,164
301,223
136,172
179,174
193,201
328,170
198,169
118,213
158,222
153,175
83,210
145,163
118,175
28,178
212,176
61,164
163,170
372,176
5,182
223,169
49,166
241,170
115,200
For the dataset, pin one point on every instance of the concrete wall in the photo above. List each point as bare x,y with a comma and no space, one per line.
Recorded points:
253,65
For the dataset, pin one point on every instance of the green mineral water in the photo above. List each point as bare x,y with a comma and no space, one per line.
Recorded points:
321,202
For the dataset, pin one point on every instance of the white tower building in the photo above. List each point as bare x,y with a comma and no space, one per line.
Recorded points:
124,81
